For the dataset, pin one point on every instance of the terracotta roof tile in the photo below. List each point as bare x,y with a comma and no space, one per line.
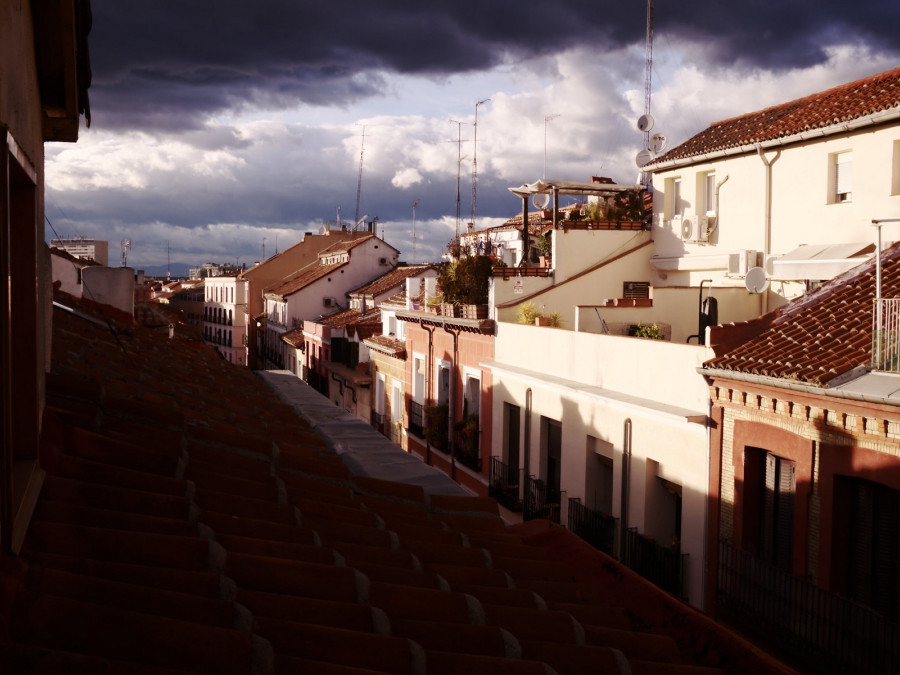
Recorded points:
840,104
226,537
390,279
817,336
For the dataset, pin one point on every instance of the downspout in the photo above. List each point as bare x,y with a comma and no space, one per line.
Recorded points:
524,260
718,207
451,412
526,449
428,397
767,247
626,471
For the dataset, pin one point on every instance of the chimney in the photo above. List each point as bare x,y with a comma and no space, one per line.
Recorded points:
471,226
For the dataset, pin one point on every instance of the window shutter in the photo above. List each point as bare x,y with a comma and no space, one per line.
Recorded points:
843,176
784,517
767,509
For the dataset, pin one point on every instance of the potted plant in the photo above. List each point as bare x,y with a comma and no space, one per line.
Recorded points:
465,282
436,425
545,248
528,313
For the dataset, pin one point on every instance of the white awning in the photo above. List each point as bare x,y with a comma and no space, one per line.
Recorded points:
568,187
819,262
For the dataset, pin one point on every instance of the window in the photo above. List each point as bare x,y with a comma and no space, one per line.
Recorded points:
443,382
472,394
511,432
771,484
842,171
708,191
599,475
418,379
22,339
895,170
866,548
551,436
673,206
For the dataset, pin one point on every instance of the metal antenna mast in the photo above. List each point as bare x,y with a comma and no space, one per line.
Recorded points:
362,149
459,160
548,118
475,161
414,259
645,177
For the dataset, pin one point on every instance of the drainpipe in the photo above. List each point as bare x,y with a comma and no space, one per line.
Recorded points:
767,247
454,371
428,396
524,260
526,449
626,471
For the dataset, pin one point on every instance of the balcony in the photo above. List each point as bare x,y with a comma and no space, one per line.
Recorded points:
826,632
541,500
886,335
504,484
663,565
416,419
595,527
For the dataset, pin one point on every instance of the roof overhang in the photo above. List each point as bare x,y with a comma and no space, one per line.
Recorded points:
567,187
63,66
819,262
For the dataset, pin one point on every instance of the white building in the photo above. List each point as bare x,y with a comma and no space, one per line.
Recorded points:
791,189
87,249
225,317
321,289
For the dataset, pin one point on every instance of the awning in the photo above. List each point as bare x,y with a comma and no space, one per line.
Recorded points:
568,187
818,262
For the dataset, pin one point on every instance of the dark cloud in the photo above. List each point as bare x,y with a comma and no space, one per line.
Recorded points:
164,64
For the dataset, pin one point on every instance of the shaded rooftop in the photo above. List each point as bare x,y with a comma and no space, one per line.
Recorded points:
196,517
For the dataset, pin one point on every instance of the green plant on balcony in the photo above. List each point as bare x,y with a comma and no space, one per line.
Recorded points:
652,332
528,312
466,281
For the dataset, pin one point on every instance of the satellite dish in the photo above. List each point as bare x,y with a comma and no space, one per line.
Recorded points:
645,123
756,280
540,200
657,143
322,230
643,157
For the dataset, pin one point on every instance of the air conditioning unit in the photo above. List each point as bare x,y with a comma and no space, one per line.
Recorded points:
740,262
694,229
327,302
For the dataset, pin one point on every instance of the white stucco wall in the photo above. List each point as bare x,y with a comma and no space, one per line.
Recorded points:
591,384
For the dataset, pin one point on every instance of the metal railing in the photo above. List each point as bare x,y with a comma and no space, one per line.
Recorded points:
504,484
663,565
595,527
416,424
886,334
825,631
541,500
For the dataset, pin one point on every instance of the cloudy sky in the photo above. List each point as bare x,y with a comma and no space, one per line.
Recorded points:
225,130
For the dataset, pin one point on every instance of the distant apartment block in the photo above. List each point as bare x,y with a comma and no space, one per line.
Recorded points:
86,249
211,269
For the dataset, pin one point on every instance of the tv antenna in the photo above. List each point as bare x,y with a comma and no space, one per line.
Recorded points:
547,118
126,244
459,159
263,248
645,122
415,204
475,160
362,150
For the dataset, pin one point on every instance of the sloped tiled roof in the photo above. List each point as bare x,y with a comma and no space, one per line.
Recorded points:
387,345
191,522
346,245
300,281
816,337
390,279
355,322
841,104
